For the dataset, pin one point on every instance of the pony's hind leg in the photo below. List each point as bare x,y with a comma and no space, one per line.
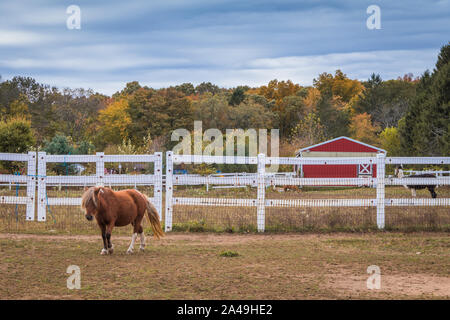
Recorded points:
137,228
133,239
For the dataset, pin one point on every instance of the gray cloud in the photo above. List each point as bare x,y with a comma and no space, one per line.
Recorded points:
162,43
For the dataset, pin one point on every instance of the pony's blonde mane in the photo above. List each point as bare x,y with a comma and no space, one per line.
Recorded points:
87,196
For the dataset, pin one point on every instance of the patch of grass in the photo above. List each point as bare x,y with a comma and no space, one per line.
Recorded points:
229,254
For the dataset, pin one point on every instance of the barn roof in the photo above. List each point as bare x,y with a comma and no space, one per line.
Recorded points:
342,144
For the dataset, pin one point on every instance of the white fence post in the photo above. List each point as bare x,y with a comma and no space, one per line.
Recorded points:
169,190
100,168
42,186
261,193
381,174
31,185
157,191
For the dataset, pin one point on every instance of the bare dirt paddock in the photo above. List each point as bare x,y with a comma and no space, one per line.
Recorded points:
204,266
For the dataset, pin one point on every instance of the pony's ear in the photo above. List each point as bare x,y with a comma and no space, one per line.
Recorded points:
97,190
86,188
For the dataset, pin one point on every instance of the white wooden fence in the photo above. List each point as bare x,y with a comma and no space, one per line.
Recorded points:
380,202
261,179
100,178
29,179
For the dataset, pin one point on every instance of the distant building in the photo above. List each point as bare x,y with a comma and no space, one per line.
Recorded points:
338,147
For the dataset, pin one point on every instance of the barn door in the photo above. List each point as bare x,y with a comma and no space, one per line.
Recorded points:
365,169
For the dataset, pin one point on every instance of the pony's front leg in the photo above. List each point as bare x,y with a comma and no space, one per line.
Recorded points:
105,242
131,247
110,248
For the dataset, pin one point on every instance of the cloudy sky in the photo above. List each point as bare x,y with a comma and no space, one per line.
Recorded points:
227,42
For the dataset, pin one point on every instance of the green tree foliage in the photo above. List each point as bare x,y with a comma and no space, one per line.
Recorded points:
237,96
16,135
213,111
443,57
60,144
186,88
390,141
386,101
158,113
130,88
425,128
207,87
40,101
250,115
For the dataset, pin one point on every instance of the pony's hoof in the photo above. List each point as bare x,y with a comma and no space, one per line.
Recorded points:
142,249
129,251
111,250
104,252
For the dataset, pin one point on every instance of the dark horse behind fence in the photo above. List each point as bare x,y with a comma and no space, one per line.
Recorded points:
119,208
413,188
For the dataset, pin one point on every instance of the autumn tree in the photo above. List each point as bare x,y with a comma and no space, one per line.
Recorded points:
308,131
114,122
338,94
361,129
338,85
278,90
19,107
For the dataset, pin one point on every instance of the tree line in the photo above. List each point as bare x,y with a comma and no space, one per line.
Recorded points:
407,116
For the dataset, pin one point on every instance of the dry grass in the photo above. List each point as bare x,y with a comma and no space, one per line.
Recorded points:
191,266
70,219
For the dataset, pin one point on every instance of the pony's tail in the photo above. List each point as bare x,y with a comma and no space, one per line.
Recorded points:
154,220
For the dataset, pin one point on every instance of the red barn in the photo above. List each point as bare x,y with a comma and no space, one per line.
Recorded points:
339,147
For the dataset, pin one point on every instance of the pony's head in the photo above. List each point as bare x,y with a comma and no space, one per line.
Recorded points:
399,171
89,201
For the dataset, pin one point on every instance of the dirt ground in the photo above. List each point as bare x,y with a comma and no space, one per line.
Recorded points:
200,266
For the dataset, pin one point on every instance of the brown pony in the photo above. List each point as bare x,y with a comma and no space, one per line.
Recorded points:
119,208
